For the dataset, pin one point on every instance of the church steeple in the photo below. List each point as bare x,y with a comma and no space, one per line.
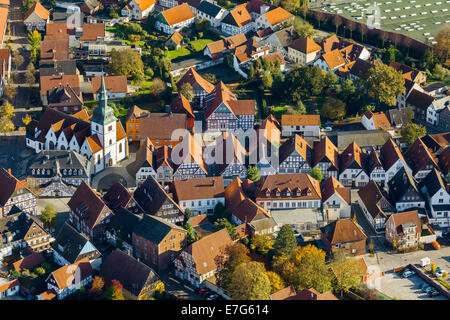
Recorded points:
103,114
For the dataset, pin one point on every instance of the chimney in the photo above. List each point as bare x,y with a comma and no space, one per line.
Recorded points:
128,252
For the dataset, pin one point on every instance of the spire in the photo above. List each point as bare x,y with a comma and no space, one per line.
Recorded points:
103,97
103,114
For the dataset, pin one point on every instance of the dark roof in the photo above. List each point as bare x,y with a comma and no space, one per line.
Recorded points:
64,96
154,229
57,160
53,68
209,8
400,116
360,67
117,196
432,182
131,273
401,183
444,161
69,243
434,86
419,99
9,184
123,223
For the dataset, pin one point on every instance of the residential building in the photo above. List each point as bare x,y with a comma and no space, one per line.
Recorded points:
181,105
419,102
345,236
245,211
232,163
30,260
175,19
191,164
286,191
36,18
375,205
70,246
289,293
211,12
140,9
89,213
164,166
336,200
237,21
279,41
437,194
118,196
274,19
57,173
175,40
9,287
199,195
376,121
399,117
303,50
157,242
198,261
158,127
326,157
93,32
70,278
139,281
409,73
392,159
403,229
216,50
5,68
48,83
155,201
295,156
89,7
20,230
245,55
145,164
224,112
353,167
404,192
65,99
120,229
420,159
307,125
200,86
15,193
375,168
116,87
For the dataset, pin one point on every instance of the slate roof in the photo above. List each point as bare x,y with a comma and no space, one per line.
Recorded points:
131,273
60,160
400,184
209,8
123,223
54,68
419,157
71,241
64,96
117,196
370,195
432,183
154,229
419,99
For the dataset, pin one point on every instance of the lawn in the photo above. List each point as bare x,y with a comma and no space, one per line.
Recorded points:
200,44
181,52
420,19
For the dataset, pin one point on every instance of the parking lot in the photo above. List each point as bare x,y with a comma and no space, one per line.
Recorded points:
395,286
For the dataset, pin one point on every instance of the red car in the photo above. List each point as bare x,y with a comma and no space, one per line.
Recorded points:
202,291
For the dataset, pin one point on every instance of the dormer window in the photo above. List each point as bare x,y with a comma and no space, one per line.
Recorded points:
278,194
288,194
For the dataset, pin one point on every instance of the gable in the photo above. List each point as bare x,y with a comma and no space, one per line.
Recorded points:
222,108
88,247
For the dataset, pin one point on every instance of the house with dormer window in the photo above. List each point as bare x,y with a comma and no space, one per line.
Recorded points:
438,197
353,167
295,156
404,192
404,229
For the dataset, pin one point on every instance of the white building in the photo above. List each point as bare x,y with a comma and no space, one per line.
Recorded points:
211,12
175,19
438,198
307,125
138,9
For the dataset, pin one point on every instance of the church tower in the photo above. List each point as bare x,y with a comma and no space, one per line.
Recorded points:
104,124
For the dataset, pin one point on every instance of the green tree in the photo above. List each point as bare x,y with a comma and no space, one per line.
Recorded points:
383,83
285,242
127,62
187,215
267,80
48,216
411,131
303,28
220,212
302,82
7,110
347,272
202,25
10,91
368,107
224,223
158,87
442,46
253,173
347,89
6,125
276,282
317,174
250,282
187,91
39,271
235,255
261,243
190,233
300,107
333,109
34,40
18,59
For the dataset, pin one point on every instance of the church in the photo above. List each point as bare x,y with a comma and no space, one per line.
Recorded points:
99,137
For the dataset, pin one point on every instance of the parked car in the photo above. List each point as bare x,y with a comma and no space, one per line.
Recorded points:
439,273
212,297
433,293
408,273
202,291
428,289
436,245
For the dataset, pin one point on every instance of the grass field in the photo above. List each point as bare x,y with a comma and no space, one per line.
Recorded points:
181,52
420,19
200,44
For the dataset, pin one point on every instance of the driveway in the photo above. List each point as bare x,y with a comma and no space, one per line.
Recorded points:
177,288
